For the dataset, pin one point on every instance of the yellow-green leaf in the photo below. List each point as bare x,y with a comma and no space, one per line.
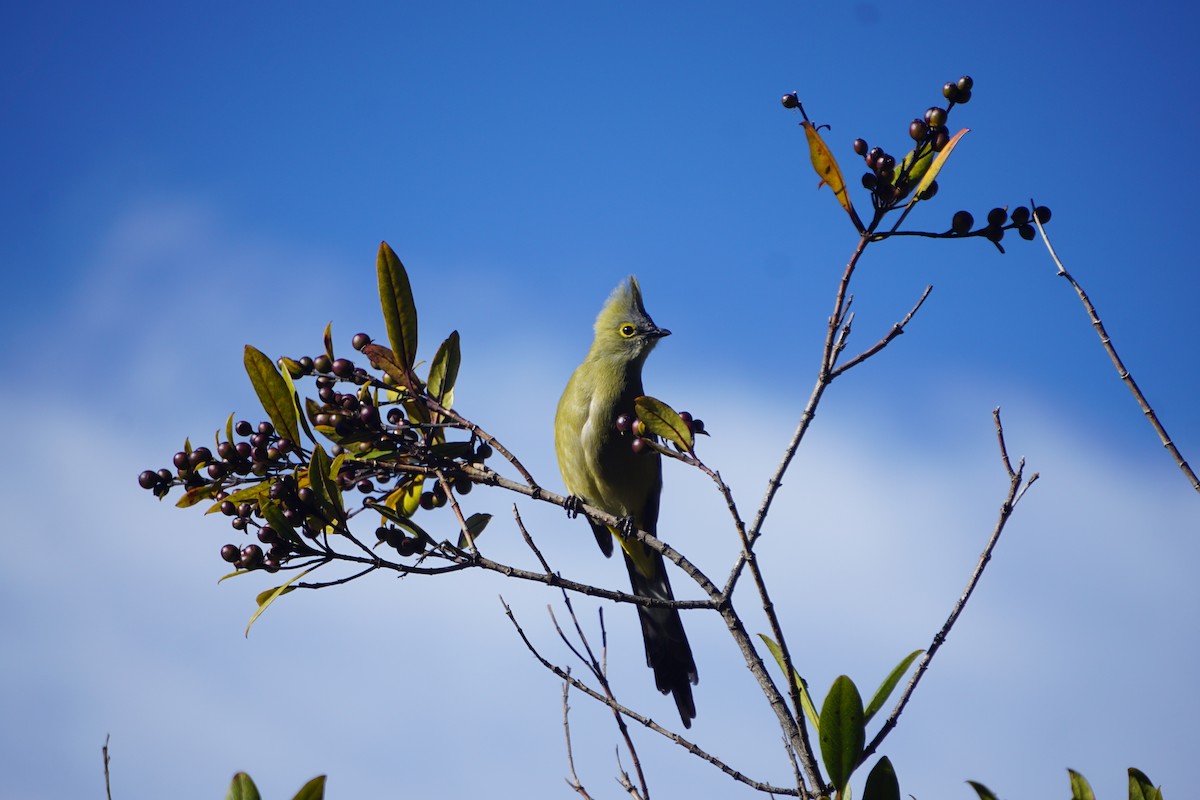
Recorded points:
242,788
938,163
195,495
313,790
264,599
1141,787
328,339
663,421
399,310
405,499
827,170
272,392
983,792
254,493
1080,788
810,710
889,684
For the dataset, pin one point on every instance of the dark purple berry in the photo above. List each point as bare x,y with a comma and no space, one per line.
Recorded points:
1027,231
929,192
266,428
360,341
343,368
251,557
1020,215
790,100
228,508
962,222
918,130
148,479
997,217
180,460
231,553
965,84
935,116
243,428
322,364
624,423
639,445
1042,214
860,147
394,415
165,476
950,91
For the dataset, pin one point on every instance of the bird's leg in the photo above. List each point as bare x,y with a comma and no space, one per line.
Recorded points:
626,526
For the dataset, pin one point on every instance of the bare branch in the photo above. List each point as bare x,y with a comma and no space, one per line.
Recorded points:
1124,373
1016,489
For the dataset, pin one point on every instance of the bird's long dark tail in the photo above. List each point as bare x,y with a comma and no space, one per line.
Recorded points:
667,650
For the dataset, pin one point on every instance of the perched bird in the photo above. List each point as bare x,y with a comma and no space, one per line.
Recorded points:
600,468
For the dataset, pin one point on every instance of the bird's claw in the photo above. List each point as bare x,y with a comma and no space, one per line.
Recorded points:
626,526
572,506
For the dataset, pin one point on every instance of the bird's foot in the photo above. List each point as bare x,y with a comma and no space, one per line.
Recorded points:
572,506
626,526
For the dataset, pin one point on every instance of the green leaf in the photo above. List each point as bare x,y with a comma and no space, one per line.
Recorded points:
313,790
229,428
326,492
265,598
889,684
475,525
291,385
242,788
806,702
272,392
1080,789
881,782
275,518
443,372
402,521
405,499
663,421
983,792
399,310
842,731
1141,787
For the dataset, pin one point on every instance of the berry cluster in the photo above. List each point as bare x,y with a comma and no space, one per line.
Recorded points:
631,426
890,181
262,481
260,452
998,221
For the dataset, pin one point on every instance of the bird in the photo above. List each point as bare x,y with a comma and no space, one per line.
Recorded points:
600,468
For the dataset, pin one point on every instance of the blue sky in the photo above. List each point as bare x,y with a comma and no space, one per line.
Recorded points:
181,181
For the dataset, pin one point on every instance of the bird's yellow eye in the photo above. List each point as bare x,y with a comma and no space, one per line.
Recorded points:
628,330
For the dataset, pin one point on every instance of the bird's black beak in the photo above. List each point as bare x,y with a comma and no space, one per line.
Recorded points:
658,333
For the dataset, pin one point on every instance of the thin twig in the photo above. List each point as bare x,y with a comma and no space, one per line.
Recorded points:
643,720
104,752
1016,490
1124,373
896,330
574,782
